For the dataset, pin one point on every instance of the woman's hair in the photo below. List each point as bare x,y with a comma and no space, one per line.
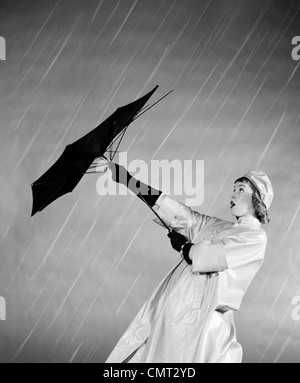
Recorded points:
260,209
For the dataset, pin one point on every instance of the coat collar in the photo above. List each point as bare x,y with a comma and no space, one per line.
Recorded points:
247,221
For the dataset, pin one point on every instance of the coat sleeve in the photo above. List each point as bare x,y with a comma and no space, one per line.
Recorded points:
181,218
244,254
232,252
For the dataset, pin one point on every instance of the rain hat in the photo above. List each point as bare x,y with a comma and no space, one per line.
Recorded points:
263,184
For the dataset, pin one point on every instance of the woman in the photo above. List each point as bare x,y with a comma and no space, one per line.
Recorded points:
189,318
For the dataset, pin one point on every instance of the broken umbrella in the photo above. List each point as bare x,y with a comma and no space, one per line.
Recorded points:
79,157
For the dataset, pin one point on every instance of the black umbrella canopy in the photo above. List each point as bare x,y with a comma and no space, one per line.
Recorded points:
67,171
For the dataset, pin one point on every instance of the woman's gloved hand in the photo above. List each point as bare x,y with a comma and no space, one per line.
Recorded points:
119,173
181,244
177,240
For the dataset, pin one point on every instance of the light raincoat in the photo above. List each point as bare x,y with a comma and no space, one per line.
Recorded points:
189,318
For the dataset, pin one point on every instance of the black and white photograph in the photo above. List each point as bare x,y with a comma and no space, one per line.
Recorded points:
150,183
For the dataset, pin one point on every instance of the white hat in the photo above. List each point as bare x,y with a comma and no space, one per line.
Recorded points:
263,184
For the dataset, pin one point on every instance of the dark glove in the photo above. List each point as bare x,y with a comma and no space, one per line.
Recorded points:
119,173
177,240
180,243
145,192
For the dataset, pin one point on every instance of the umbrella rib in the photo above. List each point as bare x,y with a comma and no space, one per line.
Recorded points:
94,172
133,118
124,131
151,106
96,165
114,140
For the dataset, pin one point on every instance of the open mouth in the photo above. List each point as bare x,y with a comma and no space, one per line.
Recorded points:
232,204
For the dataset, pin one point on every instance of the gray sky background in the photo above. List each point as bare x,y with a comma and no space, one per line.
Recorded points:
75,275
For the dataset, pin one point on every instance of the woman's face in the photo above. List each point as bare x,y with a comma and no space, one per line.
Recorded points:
241,200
